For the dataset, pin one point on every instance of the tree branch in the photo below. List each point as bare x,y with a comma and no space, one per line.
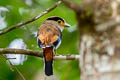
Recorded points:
107,25
20,51
31,20
37,53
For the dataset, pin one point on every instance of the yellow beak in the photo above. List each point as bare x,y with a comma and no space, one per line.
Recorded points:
66,25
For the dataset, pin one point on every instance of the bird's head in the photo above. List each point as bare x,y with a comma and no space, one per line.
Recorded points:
58,20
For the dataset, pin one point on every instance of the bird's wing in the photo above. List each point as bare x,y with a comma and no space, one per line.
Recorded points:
48,34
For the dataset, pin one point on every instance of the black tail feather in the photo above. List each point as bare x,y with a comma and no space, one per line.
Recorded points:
49,68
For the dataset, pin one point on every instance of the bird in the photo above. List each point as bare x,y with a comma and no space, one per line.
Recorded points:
49,38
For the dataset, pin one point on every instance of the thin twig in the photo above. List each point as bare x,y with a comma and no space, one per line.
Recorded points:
37,53
14,68
11,67
18,71
31,20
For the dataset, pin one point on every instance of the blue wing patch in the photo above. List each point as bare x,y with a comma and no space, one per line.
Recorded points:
39,44
57,43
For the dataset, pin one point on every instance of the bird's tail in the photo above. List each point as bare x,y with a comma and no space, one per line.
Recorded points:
48,58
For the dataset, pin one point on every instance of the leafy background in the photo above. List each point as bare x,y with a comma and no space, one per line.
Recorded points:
22,10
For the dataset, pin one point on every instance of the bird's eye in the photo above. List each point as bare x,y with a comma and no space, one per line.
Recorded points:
59,21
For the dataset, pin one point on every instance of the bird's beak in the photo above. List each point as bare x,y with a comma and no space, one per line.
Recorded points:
66,25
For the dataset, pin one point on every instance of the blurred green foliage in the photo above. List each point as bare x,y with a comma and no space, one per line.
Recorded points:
22,10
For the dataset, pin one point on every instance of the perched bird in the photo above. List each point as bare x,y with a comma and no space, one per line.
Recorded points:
49,39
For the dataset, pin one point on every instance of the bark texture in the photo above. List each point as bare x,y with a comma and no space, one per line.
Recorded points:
99,46
99,39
